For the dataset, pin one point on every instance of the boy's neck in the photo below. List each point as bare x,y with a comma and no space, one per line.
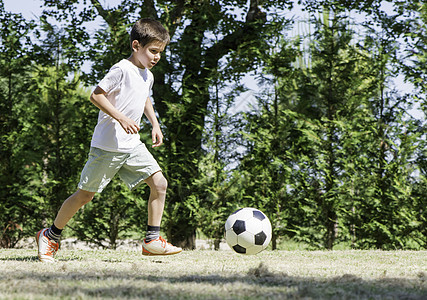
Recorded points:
132,59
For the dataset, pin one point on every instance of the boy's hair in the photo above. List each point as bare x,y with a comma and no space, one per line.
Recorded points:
146,31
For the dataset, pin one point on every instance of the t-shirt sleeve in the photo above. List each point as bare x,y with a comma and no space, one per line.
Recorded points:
112,80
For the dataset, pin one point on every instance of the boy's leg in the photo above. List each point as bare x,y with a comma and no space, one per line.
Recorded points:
154,244
99,169
71,206
156,203
48,238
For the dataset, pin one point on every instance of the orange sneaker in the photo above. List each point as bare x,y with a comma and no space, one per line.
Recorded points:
159,247
46,248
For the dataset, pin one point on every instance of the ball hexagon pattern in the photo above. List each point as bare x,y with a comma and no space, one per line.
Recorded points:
248,231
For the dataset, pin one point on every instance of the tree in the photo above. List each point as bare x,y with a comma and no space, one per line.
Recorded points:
64,119
269,134
217,186
337,83
16,204
386,220
325,142
414,29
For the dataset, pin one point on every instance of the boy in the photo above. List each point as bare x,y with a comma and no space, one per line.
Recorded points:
122,97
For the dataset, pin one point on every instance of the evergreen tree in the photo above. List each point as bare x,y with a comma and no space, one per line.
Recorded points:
63,120
218,190
387,218
16,203
329,136
338,84
413,27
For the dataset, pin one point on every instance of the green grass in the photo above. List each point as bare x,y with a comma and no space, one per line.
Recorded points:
80,274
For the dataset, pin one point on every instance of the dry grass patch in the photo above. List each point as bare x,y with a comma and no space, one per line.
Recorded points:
101,274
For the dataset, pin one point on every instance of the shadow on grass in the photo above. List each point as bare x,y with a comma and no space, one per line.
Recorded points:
257,283
34,258
20,258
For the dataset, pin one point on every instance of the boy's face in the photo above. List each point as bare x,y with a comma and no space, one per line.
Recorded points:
147,56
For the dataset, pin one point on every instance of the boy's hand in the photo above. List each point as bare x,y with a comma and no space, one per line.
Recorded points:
129,125
99,99
157,136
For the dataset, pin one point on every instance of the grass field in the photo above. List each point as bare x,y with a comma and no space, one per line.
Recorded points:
199,274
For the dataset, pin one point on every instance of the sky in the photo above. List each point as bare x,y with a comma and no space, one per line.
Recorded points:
30,9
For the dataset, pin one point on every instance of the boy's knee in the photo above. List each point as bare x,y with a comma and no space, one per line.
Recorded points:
158,182
85,196
162,183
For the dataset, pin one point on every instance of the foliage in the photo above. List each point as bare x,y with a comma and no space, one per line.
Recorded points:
16,155
330,157
43,136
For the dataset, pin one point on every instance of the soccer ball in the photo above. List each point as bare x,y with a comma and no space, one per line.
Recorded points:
248,231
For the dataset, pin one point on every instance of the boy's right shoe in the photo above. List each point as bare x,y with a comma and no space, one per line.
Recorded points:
159,247
46,248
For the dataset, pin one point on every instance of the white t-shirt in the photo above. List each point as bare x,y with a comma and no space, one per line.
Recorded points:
127,88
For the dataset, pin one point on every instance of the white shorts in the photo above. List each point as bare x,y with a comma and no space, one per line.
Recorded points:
101,166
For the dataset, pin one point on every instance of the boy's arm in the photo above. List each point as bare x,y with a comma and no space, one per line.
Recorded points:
156,133
98,98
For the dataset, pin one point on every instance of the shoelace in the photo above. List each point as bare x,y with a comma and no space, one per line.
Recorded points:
52,248
164,243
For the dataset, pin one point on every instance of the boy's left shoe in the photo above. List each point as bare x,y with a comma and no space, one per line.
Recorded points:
159,246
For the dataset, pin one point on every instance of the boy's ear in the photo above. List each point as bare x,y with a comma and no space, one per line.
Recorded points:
135,45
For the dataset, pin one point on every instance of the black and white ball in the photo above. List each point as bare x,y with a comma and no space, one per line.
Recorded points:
248,231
